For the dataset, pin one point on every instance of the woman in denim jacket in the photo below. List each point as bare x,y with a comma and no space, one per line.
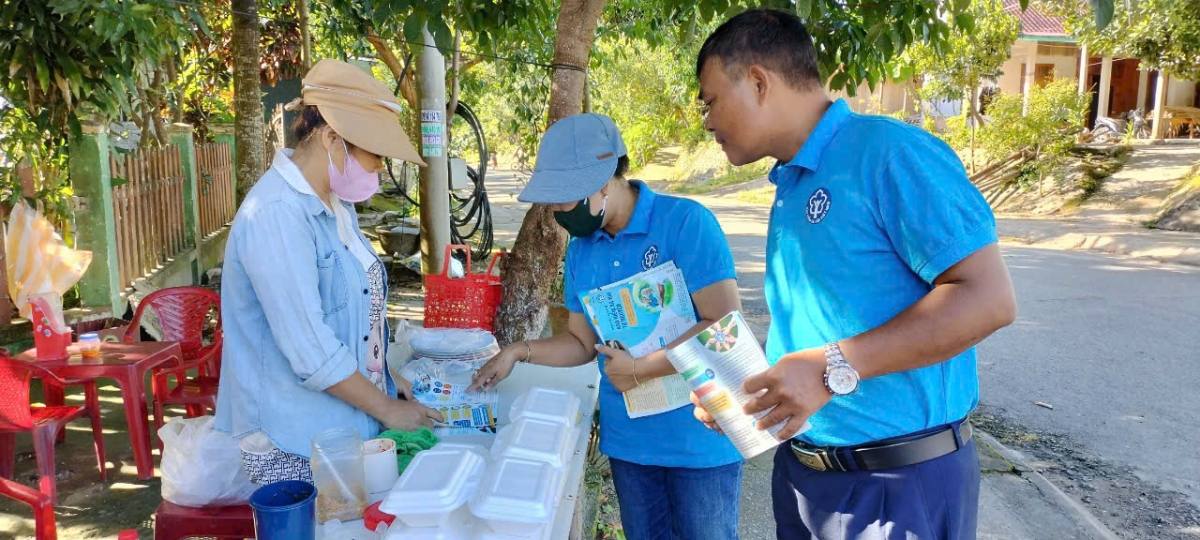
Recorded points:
304,297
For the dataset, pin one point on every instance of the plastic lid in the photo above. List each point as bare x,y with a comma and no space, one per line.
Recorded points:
437,481
547,404
517,491
537,439
92,336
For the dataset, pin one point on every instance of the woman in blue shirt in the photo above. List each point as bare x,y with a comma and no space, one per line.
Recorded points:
304,297
674,478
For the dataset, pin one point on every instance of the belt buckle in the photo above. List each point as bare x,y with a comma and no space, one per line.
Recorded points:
809,459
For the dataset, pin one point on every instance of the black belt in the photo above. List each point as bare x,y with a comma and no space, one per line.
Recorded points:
887,454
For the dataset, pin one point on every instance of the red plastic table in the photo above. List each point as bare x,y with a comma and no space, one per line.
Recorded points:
127,364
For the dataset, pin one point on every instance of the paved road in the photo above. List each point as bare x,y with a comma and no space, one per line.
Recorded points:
1112,344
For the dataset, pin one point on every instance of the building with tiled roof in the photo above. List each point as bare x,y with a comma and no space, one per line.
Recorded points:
1035,23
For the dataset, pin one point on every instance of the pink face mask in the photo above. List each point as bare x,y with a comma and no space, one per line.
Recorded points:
354,184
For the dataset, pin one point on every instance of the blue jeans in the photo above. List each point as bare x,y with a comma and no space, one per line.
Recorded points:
676,503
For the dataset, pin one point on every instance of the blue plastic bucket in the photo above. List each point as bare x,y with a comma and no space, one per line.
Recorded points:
285,510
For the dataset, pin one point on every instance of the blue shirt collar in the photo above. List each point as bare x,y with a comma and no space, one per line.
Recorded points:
810,153
639,221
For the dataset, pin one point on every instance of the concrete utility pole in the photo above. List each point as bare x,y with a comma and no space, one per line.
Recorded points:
1105,86
435,180
1160,102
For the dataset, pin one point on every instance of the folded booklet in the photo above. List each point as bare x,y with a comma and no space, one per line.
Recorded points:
715,363
642,314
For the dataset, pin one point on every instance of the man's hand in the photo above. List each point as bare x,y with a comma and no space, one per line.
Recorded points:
408,415
621,368
703,416
794,390
498,368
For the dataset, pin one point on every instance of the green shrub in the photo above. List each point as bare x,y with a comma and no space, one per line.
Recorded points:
1056,114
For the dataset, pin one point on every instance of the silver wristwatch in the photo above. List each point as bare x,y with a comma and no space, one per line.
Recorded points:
840,377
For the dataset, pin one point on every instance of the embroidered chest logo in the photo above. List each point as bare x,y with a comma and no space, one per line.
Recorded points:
818,206
650,257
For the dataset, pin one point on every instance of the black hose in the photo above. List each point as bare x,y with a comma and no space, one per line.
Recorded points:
470,216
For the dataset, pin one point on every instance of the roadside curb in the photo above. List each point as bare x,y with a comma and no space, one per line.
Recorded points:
1069,506
1177,248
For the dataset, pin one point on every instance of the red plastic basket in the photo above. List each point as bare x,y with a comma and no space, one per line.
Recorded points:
467,302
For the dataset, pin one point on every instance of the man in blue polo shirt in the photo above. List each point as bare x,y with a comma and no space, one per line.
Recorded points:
882,275
674,478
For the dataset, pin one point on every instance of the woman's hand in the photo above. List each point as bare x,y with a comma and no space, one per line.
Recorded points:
408,415
498,368
404,389
621,368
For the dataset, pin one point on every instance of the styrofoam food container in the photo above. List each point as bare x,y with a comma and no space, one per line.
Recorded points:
537,439
436,483
546,404
517,495
460,526
483,532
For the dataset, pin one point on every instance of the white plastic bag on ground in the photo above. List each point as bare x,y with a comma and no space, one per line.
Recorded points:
202,466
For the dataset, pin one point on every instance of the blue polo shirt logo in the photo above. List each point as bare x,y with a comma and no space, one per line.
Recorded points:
818,206
650,257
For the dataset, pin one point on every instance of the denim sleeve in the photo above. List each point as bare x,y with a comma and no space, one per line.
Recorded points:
931,212
570,292
279,256
702,251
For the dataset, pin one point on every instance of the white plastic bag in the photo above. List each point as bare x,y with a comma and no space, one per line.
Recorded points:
202,466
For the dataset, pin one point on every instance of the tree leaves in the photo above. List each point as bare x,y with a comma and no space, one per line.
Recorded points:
804,8
1103,10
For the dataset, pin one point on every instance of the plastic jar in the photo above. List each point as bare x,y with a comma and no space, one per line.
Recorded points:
337,467
89,345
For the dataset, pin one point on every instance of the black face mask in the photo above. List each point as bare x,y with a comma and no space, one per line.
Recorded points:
579,221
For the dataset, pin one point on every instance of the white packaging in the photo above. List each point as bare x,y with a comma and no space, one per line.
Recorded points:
460,526
536,439
547,404
517,496
436,483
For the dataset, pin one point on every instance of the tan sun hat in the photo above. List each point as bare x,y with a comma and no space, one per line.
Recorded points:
359,108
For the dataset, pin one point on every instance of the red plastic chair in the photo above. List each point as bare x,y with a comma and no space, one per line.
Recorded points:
182,313
17,416
43,509
174,522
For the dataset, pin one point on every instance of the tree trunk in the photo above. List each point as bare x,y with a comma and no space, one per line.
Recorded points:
177,103
533,264
247,103
971,117
305,40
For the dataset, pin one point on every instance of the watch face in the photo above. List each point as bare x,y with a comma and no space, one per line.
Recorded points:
842,380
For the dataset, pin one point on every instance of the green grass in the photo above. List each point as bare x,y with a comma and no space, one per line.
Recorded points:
763,196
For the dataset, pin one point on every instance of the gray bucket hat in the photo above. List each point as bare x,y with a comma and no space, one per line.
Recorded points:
576,158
